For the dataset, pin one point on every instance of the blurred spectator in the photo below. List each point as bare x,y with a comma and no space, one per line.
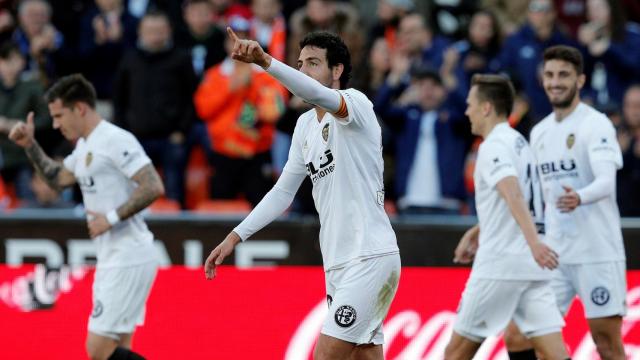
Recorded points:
201,38
223,10
511,14
613,56
269,28
153,99
240,104
571,14
389,13
418,43
38,39
106,32
432,138
45,197
450,17
628,186
329,15
372,73
18,97
521,54
473,54
7,22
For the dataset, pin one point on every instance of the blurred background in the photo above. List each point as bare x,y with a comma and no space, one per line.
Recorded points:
219,132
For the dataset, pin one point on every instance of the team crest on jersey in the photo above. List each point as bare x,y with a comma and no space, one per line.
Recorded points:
600,295
345,316
325,133
88,159
571,139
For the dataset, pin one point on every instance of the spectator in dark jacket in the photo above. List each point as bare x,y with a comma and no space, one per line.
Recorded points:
521,54
432,138
613,51
107,30
153,99
628,178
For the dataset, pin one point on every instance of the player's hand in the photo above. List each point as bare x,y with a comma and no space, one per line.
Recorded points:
544,256
467,247
569,201
97,224
219,253
22,133
248,51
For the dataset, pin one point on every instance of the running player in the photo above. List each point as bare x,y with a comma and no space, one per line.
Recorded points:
117,181
578,156
505,281
338,145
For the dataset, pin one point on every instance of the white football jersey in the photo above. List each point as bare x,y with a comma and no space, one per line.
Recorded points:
103,165
503,252
343,159
565,152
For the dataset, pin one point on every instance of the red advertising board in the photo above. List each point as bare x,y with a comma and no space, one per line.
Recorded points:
268,313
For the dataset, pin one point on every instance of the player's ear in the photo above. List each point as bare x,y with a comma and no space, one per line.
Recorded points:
336,72
582,78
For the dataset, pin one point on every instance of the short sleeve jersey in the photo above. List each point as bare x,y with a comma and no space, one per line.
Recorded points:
343,159
103,165
503,252
565,152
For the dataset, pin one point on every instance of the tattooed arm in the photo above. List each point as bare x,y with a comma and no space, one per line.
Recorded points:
149,189
53,172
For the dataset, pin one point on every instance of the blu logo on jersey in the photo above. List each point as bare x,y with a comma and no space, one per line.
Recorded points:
326,167
555,167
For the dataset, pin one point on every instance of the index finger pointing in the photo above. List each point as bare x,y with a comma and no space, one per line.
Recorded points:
232,34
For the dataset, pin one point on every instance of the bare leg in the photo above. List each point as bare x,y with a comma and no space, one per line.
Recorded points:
460,348
550,346
367,352
607,336
100,347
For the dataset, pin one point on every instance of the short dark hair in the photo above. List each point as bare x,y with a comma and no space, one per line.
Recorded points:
496,89
7,48
72,89
337,52
565,53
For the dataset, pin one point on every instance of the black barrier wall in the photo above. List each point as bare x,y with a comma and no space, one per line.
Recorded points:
57,238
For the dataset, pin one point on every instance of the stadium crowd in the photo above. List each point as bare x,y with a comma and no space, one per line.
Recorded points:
219,130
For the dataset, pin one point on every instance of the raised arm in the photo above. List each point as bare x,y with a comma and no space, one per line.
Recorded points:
299,84
53,172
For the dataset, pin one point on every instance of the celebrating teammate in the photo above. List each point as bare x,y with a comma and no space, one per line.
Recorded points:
117,181
505,282
338,145
578,155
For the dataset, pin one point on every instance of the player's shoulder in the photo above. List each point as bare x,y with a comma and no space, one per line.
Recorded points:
593,116
356,95
540,128
112,135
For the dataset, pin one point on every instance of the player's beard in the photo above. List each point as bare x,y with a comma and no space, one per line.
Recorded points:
565,102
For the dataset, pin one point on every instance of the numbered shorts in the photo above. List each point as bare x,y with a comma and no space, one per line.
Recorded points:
359,297
602,287
487,306
119,297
